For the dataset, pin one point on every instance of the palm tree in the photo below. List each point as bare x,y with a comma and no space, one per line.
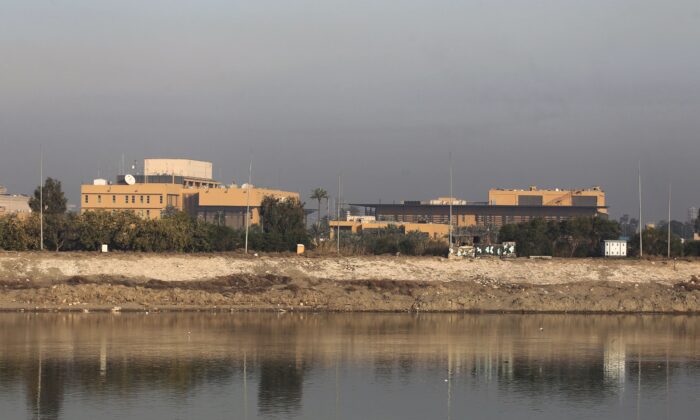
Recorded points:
319,194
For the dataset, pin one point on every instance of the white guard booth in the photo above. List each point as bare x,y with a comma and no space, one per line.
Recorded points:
614,248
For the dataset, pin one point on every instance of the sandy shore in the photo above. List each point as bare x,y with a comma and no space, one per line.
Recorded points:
87,281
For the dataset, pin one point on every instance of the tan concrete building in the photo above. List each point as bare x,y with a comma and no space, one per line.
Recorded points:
179,167
357,226
227,206
556,197
182,188
504,207
13,204
146,200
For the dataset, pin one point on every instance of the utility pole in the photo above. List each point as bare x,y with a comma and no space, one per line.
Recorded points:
641,223
451,200
668,245
337,204
41,198
247,207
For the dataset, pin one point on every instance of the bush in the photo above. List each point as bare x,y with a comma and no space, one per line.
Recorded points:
392,240
577,237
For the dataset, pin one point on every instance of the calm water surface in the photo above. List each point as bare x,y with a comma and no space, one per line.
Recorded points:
393,366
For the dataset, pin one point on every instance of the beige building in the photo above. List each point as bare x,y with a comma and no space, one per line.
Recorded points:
146,200
178,183
13,204
534,196
179,167
227,206
357,226
504,206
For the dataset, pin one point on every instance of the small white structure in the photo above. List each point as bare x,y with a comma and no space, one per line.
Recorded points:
614,248
104,248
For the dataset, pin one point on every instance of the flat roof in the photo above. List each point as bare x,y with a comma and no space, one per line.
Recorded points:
474,205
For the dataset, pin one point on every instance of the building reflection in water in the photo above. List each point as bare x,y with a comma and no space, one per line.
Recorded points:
107,357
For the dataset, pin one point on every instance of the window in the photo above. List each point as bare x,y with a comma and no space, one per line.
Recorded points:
148,199
126,199
133,199
148,213
86,198
161,199
114,199
99,199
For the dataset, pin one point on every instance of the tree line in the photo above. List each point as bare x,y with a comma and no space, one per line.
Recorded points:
583,237
282,228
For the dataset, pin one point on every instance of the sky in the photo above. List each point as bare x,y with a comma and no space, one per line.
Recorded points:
555,93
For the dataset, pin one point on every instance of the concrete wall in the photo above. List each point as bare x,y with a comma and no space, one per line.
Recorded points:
182,167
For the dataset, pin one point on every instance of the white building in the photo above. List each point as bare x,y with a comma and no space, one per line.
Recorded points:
692,214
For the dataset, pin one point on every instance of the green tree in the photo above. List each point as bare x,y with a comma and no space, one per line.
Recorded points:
53,198
319,194
282,224
14,235
61,231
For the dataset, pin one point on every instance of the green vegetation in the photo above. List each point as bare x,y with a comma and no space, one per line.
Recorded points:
319,194
282,228
392,240
578,237
53,198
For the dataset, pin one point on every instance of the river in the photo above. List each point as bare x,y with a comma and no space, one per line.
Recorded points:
348,366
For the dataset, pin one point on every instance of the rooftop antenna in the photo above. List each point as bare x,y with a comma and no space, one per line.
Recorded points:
247,207
641,224
41,198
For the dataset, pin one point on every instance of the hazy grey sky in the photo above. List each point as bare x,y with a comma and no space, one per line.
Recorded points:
555,93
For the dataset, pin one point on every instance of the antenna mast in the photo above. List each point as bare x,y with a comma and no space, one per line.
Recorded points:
641,224
247,208
338,210
41,198
669,223
451,201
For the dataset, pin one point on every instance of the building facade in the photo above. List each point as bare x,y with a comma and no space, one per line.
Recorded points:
359,226
692,214
504,207
184,188
13,204
228,206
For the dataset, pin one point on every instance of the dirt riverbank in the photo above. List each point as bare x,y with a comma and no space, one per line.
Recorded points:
86,281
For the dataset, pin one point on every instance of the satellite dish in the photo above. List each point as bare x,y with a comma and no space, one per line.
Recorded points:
129,179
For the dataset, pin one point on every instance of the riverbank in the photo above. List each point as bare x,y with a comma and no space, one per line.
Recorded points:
122,282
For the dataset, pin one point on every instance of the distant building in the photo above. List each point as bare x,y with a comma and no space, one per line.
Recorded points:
13,204
504,206
692,214
358,226
180,184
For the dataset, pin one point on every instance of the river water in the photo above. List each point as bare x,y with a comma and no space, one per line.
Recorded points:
348,366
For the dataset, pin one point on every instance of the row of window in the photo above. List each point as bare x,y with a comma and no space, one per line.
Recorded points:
147,199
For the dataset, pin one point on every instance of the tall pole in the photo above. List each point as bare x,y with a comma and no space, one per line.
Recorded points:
247,206
41,198
337,205
641,223
668,245
451,200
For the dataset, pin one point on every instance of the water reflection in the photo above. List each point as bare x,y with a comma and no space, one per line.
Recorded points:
351,366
